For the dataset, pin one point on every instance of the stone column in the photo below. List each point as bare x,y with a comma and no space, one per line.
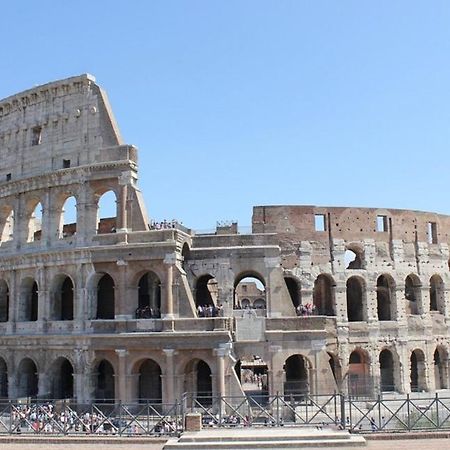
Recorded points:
168,306
220,377
125,306
271,263
122,216
372,306
121,378
44,385
340,300
169,377
275,375
14,300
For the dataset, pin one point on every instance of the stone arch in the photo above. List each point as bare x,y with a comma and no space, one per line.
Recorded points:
359,373
104,381
105,298
6,223
354,256
206,291
149,381
441,373
437,294
413,295
385,297
198,380
62,379
294,288
417,371
248,284
28,379
297,375
28,301
185,255
107,211
68,217
35,218
149,296
62,307
4,301
387,371
245,303
3,378
323,295
259,303
356,304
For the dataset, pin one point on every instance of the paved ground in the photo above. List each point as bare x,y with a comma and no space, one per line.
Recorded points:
407,444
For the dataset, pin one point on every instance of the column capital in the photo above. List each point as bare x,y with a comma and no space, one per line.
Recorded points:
170,352
121,352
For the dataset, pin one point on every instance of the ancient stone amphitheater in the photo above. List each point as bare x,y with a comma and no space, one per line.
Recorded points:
352,300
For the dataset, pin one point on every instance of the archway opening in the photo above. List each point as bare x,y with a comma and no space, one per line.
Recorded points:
6,224
355,304
353,258
323,295
150,388
67,299
417,371
198,381
105,298
35,224
252,371
4,301
440,359
293,287
297,384
149,297
27,379
358,374
29,298
3,379
206,294
68,225
107,213
437,301
386,371
185,253
412,294
384,298
62,385
105,390
251,287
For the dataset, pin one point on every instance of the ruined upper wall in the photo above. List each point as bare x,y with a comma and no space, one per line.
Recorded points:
56,125
352,224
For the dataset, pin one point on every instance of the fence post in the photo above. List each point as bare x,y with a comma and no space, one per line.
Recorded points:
278,409
380,399
343,424
408,412
438,425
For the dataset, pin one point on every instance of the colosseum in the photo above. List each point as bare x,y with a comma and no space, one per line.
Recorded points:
313,299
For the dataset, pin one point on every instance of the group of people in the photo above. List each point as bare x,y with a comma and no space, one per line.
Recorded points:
148,313
307,309
210,310
44,418
164,225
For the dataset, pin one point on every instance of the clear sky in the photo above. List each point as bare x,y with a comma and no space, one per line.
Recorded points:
241,103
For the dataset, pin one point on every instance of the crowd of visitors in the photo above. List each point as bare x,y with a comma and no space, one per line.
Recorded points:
148,313
210,310
307,309
164,225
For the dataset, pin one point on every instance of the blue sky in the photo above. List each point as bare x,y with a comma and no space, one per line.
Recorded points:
241,103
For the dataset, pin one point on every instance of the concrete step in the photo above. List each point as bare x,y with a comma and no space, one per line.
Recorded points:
265,438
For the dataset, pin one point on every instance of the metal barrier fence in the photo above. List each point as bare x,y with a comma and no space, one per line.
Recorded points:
67,418
156,419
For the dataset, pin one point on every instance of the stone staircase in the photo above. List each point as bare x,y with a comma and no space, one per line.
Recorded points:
279,438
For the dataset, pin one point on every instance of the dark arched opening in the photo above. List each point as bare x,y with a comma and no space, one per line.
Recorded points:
293,287
105,390
150,388
149,301
440,358
206,292
297,384
27,379
358,374
323,295
4,301
3,379
387,371
62,379
384,298
437,294
34,299
105,298
354,300
417,371
412,294
198,381
67,299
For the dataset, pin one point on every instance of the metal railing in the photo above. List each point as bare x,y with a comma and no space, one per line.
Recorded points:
359,415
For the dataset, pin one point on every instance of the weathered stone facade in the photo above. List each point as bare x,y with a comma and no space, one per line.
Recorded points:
104,308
